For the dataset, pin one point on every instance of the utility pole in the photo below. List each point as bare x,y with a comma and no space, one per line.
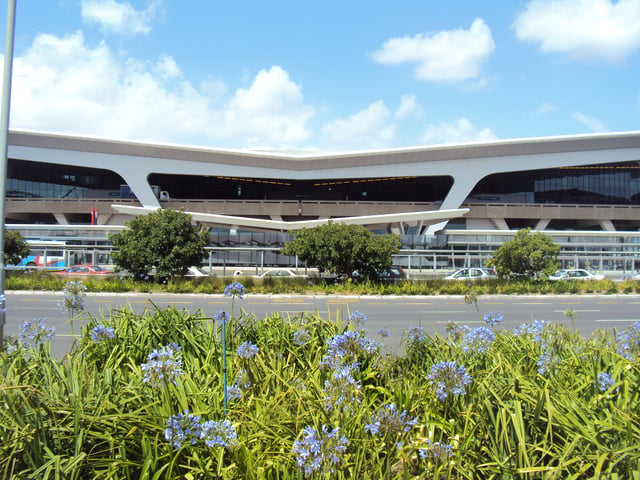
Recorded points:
4,148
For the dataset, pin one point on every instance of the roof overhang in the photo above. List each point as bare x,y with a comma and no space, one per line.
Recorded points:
426,217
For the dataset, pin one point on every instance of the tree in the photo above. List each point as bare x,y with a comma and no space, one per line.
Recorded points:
164,240
15,247
343,249
526,254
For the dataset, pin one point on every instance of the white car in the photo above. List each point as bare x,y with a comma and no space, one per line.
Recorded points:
575,274
472,274
280,273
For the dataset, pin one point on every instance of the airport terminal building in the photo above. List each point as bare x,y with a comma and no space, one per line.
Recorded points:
581,182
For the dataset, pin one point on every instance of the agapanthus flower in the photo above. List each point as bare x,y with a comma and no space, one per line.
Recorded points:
34,332
163,366
448,379
435,452
301,336
388,421
73,300
547,362
101,333
628,342
357,319
383,332
416,335
182,429
234,289
535,329
347,347
491,319
247,350
478,340
605,381
319,451
234,392
220,433
220,317
342,391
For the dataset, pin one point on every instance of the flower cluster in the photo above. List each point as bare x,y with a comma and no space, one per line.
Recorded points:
535,329
185,428
605,381
301,337
163,366
319,450
415,336
478,340
247,350
383,332
343,390
73,301
491,319
448,379
234,289
34,332
388,421
547,362
357,319
436,452
628,342
101,333
347,348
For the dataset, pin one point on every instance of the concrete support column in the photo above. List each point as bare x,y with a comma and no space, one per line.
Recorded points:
500,223
542,224
607,226
61,218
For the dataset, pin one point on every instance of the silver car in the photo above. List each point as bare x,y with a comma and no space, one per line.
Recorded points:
472,274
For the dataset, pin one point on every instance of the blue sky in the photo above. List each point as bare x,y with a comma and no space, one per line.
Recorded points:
325,76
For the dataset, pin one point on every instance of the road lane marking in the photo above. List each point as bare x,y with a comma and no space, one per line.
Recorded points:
607,303
609,320
533,303
444,311
578,311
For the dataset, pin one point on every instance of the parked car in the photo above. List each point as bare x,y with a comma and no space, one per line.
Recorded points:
280,273
195,272
392,275
575,274
83,270
472,274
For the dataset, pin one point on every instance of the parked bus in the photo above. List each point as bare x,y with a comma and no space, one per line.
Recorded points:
44,254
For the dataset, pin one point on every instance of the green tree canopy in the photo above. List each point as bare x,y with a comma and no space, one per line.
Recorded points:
15,247
527,254
164,240
343,249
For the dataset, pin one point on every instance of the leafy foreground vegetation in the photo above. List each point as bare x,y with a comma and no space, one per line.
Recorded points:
144,397
316,285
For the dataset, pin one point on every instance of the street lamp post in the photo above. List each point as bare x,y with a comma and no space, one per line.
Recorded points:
4,136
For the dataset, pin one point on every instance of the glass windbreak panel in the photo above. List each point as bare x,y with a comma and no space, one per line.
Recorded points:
611,184
379,189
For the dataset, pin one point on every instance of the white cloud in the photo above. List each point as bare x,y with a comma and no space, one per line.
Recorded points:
544,108
62,85
119,17
408,108
461,131
447,56
368,128
594,124
583,29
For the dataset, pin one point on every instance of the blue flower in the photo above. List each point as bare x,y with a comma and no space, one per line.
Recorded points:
436,452
536,329
347,347
493,318
102,333
383,332
163,366
357,319
247,350
389,421
605,381
218,433
319,451
628,342
33,333
448,379
301,336
343,390
478,340
416,335
234,289
73,301
547,362
182,429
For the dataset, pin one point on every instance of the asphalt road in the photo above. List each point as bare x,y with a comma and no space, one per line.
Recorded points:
397,313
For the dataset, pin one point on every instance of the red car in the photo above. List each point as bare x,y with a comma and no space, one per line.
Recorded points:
84,270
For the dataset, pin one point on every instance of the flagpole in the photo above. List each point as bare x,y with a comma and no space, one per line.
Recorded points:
4,136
